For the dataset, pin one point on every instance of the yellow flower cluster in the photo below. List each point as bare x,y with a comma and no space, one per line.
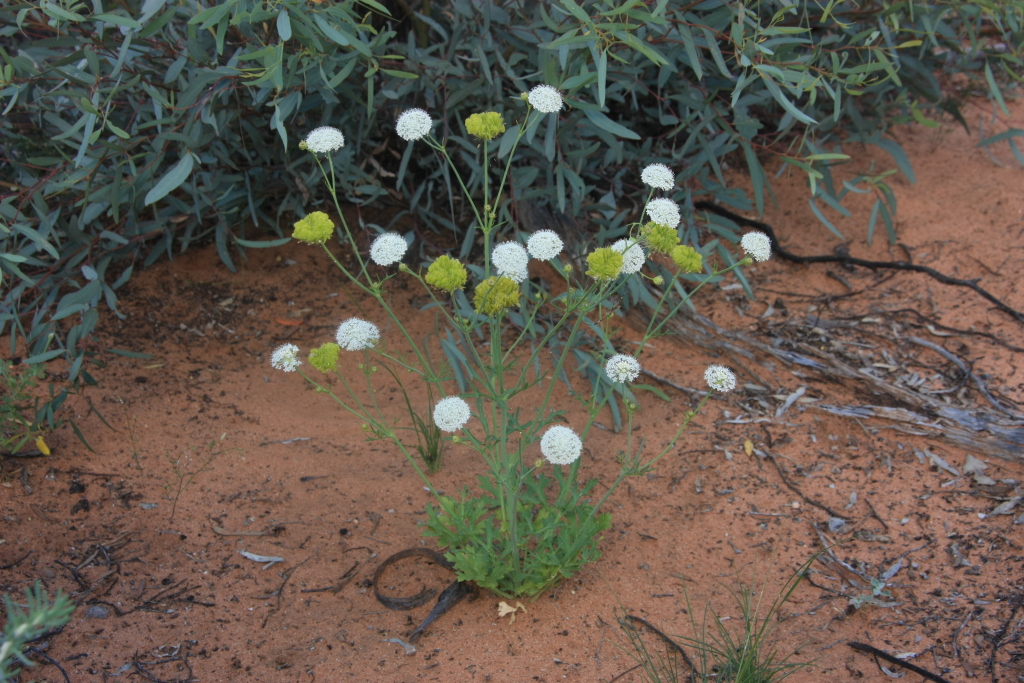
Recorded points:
485,126
660,238
325,358
316,228
687,258
495,294
605,263
446,274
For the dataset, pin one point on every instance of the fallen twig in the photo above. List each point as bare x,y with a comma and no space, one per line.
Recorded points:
850,260
899,662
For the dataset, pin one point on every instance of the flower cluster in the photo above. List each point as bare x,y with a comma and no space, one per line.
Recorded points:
356,335
315,228
758,245
545,99
451,414
687,259
605,263
544,245
285,358
622,368
660,238
664,212
325,358
495,294
720,378
388,248
560,445
633,257
446,274
413,124
659,176
510,260
324,140
485,126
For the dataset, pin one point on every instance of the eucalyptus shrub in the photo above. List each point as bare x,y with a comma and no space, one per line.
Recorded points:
532,523
135,130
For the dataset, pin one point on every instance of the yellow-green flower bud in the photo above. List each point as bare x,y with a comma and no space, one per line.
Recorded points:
605,264
687,258
658,280
316,228
303,146
325,358
446,274
567,268
660,238
485,126
495,294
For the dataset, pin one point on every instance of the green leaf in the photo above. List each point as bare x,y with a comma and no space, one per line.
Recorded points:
171,180
284,25
117,20
60,13
268,244
899,156
603,122
994,88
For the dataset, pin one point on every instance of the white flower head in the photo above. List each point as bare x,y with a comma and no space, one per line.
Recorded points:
633,257
659,176
355,335
545,99
388,248
720,378
510,260
758,245
622,368
324,140
664,212
451,414
285,358
413,124
560,445
544,245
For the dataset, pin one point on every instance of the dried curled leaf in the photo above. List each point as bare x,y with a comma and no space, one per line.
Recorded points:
504,609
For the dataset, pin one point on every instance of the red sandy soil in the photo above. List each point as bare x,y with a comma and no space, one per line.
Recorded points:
296,479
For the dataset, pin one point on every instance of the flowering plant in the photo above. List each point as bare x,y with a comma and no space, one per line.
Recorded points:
532,523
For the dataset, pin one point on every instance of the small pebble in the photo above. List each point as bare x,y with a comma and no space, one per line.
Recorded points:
97,612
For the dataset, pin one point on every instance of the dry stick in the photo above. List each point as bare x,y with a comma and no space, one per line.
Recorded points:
999,637
906,665
51,660
800,493
873,265
668,641
959,362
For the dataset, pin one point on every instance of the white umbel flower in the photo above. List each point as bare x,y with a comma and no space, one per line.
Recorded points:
544,245
413,124
285,358
451,414
633,257
324,140
510,259
560,445
545,99
355,335
388,248
758,245
664,212
720,378
659,176
622,368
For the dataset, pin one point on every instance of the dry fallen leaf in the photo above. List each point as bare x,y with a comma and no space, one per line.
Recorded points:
504,610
